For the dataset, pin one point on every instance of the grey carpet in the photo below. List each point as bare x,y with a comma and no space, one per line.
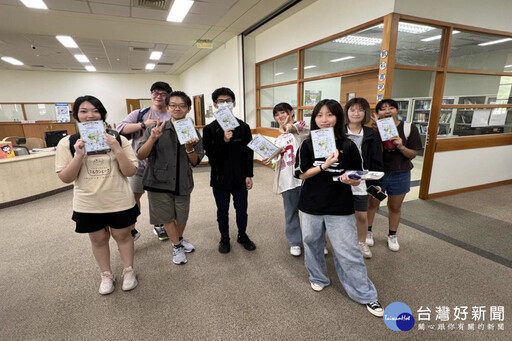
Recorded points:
49,279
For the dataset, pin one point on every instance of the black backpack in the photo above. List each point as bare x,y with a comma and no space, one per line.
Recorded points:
142,112
73,138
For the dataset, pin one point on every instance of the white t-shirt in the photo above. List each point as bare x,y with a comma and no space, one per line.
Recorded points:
289,144
100,186
357,138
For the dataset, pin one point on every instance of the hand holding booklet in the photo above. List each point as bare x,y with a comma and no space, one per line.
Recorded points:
364,174
185,130
324,143
387,128
91,132
262,146
226,119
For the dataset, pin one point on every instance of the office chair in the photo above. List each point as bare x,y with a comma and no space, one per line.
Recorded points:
34,142
20,150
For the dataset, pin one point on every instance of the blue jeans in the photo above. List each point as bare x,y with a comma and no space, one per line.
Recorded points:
348,258
291,215
222,199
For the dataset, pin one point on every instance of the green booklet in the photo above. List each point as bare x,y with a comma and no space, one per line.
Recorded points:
324,143
91,132
185,130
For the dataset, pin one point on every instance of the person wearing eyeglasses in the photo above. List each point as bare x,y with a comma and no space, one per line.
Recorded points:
133,127
168,175
231,174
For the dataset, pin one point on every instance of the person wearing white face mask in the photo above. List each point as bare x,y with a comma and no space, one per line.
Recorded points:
231,164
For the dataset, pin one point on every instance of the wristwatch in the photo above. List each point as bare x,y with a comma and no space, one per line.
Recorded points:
143,125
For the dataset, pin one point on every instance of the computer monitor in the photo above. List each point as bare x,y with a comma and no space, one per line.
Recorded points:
52,138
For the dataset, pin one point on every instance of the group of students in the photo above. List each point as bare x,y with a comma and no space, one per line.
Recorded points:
108,185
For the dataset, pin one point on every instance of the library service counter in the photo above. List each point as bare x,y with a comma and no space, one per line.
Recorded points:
28,177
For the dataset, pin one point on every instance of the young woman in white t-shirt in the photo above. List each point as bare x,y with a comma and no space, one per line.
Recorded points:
292,135
103,202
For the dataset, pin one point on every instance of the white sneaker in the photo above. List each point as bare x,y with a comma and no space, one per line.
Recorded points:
326,252
369,238
178,255
365,250
129,279
393,243
316,287
107,283
187,246
295,251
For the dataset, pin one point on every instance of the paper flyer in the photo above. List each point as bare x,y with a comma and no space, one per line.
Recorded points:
387,128
324,143
92,134
226,119
185,130
262,146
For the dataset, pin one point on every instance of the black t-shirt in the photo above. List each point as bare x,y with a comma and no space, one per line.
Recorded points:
321,195
394,160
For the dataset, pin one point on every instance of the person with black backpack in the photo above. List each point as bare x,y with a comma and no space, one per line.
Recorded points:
133,127
103,204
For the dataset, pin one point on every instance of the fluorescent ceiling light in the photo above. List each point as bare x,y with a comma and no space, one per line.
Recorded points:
150,66
67,41
39,4
437,37
82,58
12,61
357,40
179,10
155,55
340,59
495,42
282,73
508,65
306,67
90,68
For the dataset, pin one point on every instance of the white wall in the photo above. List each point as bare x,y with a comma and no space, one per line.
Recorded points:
111,89
470,167
221,68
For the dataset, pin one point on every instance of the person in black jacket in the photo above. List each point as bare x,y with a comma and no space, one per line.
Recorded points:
231,164
357,114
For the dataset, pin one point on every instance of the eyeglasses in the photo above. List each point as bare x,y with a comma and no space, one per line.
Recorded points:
229,100
159,93
175,106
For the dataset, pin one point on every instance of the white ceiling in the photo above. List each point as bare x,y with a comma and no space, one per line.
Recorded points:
118,35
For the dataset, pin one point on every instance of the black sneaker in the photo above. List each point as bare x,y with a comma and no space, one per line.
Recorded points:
375,308
135,234
246,242
160,232
224,246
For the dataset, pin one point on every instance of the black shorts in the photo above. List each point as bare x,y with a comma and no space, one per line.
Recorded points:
92,222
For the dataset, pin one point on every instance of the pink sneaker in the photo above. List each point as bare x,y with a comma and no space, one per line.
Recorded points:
107,283
129,279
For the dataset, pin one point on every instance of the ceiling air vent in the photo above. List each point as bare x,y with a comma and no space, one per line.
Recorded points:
153,4
136,69
165,64
139,49
36,65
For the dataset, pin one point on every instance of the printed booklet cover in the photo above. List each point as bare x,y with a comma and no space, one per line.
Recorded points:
365,174
92,134
6,149
387,128
185,130
226,119
324,143
262,146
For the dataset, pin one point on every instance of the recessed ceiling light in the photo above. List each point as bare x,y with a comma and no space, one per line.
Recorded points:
340,59
411,28
82,58
39,4
12,61
279,74
155,55
150,66
67,41
499,41
90,68
179,10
